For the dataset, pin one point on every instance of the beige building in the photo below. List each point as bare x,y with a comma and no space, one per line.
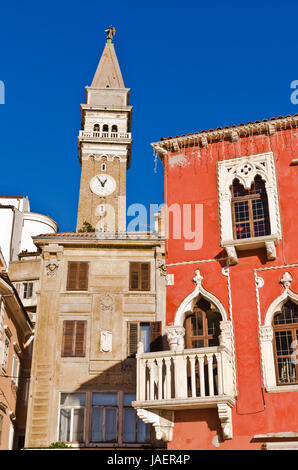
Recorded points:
102,290
16,333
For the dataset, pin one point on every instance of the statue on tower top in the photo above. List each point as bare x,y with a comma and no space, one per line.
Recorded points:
111,31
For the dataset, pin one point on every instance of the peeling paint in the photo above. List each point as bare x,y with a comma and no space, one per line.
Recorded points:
179,159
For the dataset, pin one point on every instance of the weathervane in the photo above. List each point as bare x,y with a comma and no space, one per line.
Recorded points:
111,31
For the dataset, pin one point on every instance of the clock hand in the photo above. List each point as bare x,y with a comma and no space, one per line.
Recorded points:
102,182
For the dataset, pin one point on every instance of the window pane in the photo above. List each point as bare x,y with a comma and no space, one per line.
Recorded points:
104,399
198,343
111,424
197,324
283,341
64,428
243,230
128,398
286,370
78,425
73,399
289,314
260,228
96,425
145,337
129,425
143,431
213,321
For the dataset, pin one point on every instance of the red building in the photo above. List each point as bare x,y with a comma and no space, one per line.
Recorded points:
229,379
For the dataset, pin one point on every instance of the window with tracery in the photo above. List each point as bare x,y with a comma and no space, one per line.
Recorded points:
250,213
285,327
202,326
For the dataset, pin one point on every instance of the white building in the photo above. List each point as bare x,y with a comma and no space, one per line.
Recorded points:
18,225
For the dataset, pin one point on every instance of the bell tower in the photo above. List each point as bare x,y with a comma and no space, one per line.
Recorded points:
105,146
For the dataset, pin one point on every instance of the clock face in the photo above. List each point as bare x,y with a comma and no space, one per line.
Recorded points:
102,184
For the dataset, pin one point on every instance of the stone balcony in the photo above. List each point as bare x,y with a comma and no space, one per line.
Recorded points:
168,381
105,135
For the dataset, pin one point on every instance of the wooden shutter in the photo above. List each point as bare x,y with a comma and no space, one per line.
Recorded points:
139,276
134,276
68,338
83,276
74,338
155,336
80,338
77,276
132,339
71,275
145,276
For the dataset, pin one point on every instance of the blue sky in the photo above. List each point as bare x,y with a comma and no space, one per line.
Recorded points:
190,65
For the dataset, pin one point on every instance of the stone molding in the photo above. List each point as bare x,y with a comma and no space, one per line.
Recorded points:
106,303
189,302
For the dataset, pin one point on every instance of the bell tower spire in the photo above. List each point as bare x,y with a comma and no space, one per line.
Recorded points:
105,146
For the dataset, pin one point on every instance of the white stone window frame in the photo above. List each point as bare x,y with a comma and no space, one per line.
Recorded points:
266,344
245,169
5,352
15,369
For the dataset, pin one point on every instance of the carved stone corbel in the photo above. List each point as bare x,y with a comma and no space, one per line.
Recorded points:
271,128
225,417
271,250
204,141
162,421
231,254
234,135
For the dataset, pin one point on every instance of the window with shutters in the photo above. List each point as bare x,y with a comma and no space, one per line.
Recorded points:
139,276
149,333
74,338
77,275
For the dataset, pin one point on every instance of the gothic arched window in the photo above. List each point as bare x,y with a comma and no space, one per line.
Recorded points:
96,127
114,128
285,328
202,326
250,212
105,128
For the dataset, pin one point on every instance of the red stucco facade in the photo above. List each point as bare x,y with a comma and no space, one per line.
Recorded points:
191,178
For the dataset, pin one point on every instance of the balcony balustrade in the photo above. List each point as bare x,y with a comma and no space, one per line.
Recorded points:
166,378
105,135
188,379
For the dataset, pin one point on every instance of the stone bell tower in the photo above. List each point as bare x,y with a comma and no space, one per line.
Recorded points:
105,146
